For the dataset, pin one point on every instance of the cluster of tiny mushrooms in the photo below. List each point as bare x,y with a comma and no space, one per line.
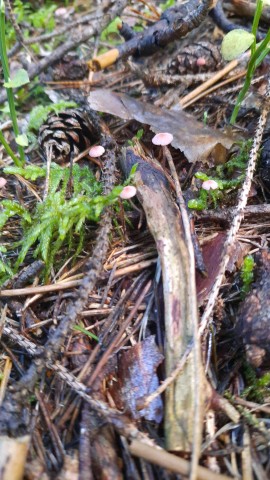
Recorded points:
162,139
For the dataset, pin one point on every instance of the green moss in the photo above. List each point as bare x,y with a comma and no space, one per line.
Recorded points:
247,274
57,221
258,389
222,175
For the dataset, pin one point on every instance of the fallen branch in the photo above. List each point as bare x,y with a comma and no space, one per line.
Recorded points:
187,395
174,23
74,42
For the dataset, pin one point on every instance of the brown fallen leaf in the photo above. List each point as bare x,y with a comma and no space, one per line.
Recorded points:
212,252
194,139
137,378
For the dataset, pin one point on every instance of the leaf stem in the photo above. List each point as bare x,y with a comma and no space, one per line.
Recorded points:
9,151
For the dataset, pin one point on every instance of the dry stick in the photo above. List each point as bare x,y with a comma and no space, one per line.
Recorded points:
198,384
160,457
18,292
164,221
208,83
214,88
73,43
170,27
239,214
115,341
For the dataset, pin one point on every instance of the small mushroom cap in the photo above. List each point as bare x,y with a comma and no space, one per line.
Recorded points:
209,185
201,61
128,192
2,182
61,12
163,138
96,151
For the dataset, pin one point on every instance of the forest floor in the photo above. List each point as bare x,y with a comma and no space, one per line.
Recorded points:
134,257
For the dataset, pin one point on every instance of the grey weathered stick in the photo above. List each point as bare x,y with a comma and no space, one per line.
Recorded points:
164,222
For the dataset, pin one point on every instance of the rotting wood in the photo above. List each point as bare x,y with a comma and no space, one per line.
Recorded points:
164,221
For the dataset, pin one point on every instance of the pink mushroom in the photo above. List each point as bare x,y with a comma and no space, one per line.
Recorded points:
201,61
2,182
162,139
210,185
96,151
128,192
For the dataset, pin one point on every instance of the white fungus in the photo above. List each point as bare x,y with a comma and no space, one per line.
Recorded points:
96,151
162,139
209,185
2,182
128,192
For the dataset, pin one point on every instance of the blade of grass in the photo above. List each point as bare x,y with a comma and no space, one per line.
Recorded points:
10,95
257,16
255,60
83,330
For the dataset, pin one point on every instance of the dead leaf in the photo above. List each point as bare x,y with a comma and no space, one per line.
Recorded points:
194,139
212,252
137,378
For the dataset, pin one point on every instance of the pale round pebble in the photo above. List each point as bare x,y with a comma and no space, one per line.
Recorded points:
96,151
162,139
128,192
2,182
209,185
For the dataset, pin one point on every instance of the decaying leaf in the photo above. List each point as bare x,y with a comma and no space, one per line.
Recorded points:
194,139
137,378
212,251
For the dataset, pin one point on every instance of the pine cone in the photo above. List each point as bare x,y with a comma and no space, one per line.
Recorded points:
66,133
195,58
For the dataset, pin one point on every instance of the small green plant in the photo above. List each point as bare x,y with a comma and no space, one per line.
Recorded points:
235,166
39,18
111,32
138,136
247,274
258,389
237,42
167,4
57,221
21,78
